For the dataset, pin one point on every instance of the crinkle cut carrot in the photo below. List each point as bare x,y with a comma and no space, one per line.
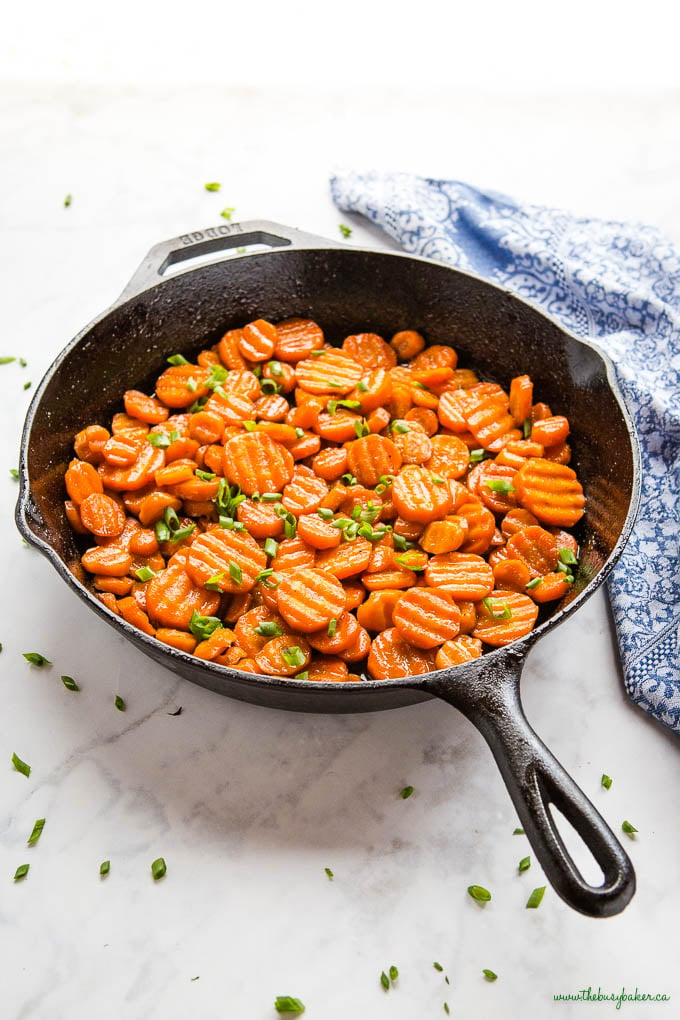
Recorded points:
89,443
318,533
131,613
179,639
453,408
292,554
332,373
426,618
552,586
359,648
181,385
111,561
257,463
411,441
407,343
535,547
258,340
348,559
504,618
369,350
145,409
261,519
376,612
297,338
121,450
272,407
418,496
373,391
512,574
102,515
481,526
172,597
230,560
392,657
344,634
450,457
371,457
229,351
136,475
457,651
233,408
305,491
249,627
551,491
330,463
435,356
464,575
444,536
521,398
82,480
284,656
309,599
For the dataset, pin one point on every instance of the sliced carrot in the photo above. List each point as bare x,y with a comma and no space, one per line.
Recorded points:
280,373
137,474
147,409
511,574
413,444
425,618
89,443
82,480
216,645
337,635
196,488
229,351
110,601
492,483
306,446
535,547
355,593
369,350
116,585
517,519
229,560
373,390
143,543
425,418
457,651
444,536
540,411
206,359
121,450
551,491
272,407
317,533
401,400
250,627
305,491
260,519
348,559
515,452
419,496
174,473
435,356
330,463
110,561
172,597
378,420
123,423
181,385
102,515
73,517
407,343
297,338
552,586
293,554
392,657
468,615
258,340
489,420
358,650
560,453
327,667
505,617
284,656
371,457
179,639
256,463
154,505
206,427
481,526
376,612
391,577
309,599
564,540
521,397
453,408
464,575
550,431
332,372
237,606
232,408
131,613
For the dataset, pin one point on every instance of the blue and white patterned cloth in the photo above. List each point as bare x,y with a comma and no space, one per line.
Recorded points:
617,284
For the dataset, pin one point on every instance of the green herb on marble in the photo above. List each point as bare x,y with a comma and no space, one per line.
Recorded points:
489,974
69,683
524,864
518,832
158,868
36,659
536,897
104,868
213,186
479,893
27,385
406,792
288,1004
14,473
23,362
67,201
394,973
446,1008
119,703
384,981
228,212
36,832
21,872
6,360
629,829
345,230
606,781
20,765
437,966
329,872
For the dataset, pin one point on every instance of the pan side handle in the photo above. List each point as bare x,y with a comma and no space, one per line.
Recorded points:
535,779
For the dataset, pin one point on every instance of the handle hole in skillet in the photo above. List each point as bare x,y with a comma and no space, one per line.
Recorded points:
576,848
213,249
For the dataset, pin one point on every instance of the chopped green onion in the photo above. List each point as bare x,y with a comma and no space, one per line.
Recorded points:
158,868
213,186
489,974
350,532
235,572
104,867
67,201
362,387
333,405
524,864
14,473
191,384
344,230
479,893
302,676
437,479
288,1004
406,792
36,659
160,440
36,832
198,405
394,973
163,533
145,574
476,456
536,897
348,479
21,872
606,781
404,561
7,361
499,485
629,829
23,362
181,533
533,584
27,385
341,522
69,683
269,387
293,655
335,385
401,544
493,604
518,832
257,371
437,966
332,627
203,626
271,497
446,1008
228,212
271,547
21,766
329,872
325,513
400,428
275,368
362,428
567,556
213,583
318,353
119,703
300,433
177,359
267,578
218,375
206,476
268,628
384,981
526,428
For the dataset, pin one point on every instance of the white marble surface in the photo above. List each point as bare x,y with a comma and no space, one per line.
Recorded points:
249,805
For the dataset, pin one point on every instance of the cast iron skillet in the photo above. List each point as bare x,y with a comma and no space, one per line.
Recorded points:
346,290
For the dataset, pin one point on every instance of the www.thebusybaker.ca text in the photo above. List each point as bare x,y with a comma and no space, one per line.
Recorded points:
588,995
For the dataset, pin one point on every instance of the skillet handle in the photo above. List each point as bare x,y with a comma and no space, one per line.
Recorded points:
535,780
222,238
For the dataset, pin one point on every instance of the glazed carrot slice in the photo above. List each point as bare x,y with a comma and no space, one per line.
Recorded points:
154,505
228,560
102,515
280,373
73,517
115,585
515,520
309,599
464,575
564,540
373,390
413,444
330,463
515,452
332,372
82,480
174,473
195,488
481,526
143,543
256,463
89,443
369,350
179,639
489,420
172,598
216,645
371,457
337,636
147,409
229,351
273,407
306,446
123,423
505,617
355,593
284,656
110,601
297,338
552,586
425,618
425,418
435,356
206,427
511,574
551,491
318,533
419,496
121,450
293,554
278,431
560,453
407,343
136,475
550,431
444,536
110,561
232,408
535,547
521,398
540,411
457,651
256,627
401,400
468,615
258,340
181,385
131,613
305,491
391,577
453,408
327,667
358,650
392,657
260,519
493,484
348,559
376,612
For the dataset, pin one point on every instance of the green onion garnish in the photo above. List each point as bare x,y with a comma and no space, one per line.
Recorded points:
348,479
437,479
332,627
213,583
67,201
69,683
119,703
269,387
228,212
394,973
476,456
401,544
362,387
158,868
479,893
300,433
302,676
329,872
567,556
235,572
333,405
36,659
7,361
293,655
288,1004
268,628
191,384
20,765
384,981
268,578
536,897
362,428
198,405
406,792
325,513
344,230
606,781
446,1008
203,626
145,574
104,867
400,428
14,473
250,426
206,476
213,186
518,832
533,584
27,385
629,829
21,872
497,608
437,966
524,864
177,359
499,485
271,547
271,497
36,832
409,564
489,974
526,428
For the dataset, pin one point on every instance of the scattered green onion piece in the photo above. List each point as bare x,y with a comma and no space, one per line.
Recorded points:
104,868
267,578
235,572
269,387
332,627
479,893
476,456
163,533
27,385
404,561
437,966
160,440
23,362
446,1008
228,212
206,476
394,973
69,683
158,868
177,536
14,473
524,864
350,532
213,583
21,872
36,832
329,872
271,547
21,766
386,480
348,478
67,201
345,230
250,426
341,523
401,544
198,405
406,792
356,512
293,655
213,186
218,375
257,371
275,368
400,428
362,428
362,387
533,584
437,479
489,974
499,485
119,703
203,626
300,433
535,899
606,781
567,556
325,513
177,359
302,676
271,497
493,604
384,981
288,1004
526,428
191,384
518,832
317,353
7,361
629,829
145,574
36,659
268,628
